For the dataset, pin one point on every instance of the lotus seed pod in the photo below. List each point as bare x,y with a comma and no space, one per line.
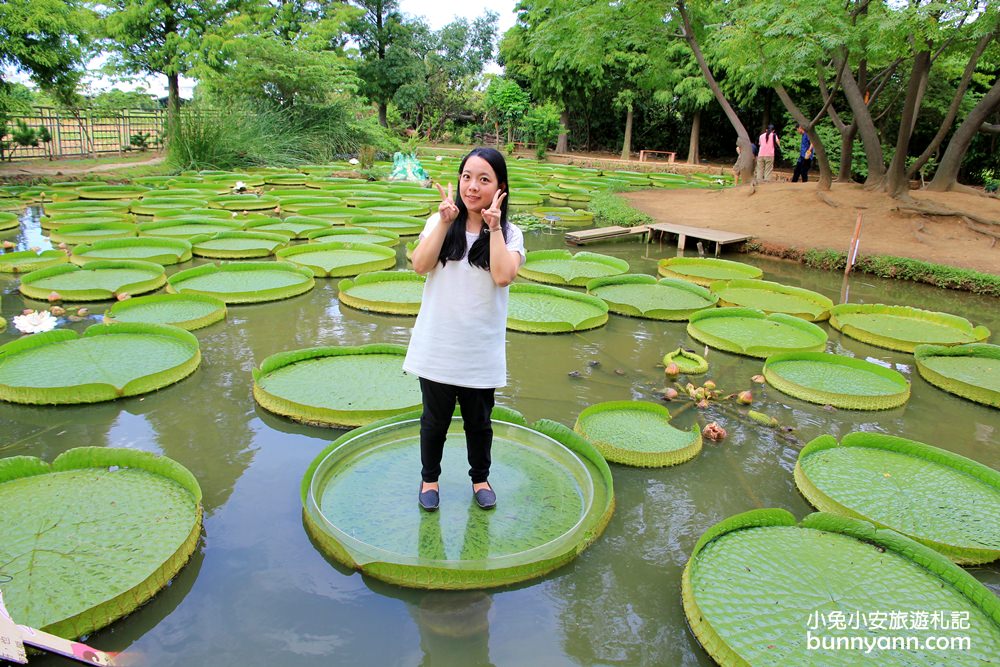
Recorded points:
759,379
745,397
54,296
673,370
713,431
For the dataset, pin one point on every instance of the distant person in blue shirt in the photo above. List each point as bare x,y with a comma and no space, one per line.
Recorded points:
805,157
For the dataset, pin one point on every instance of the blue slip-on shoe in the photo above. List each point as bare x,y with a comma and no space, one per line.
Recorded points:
486,498
429,500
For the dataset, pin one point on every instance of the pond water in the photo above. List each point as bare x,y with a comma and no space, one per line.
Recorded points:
257,592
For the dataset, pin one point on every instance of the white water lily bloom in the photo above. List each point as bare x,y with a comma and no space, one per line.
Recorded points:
240,185
35,322
354,160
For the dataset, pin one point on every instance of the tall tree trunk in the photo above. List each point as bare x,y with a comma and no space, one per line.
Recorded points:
946,176
693,149
744,163
866,126
173,104
825,175
846,174
562,145
767,110
382,111
897,183
627,145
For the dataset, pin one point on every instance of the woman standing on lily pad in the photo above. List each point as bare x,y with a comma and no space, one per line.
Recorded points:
470,253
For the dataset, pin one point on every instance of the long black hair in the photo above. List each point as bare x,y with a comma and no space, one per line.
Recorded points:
454,244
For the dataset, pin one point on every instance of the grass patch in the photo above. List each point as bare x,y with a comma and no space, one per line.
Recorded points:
611,209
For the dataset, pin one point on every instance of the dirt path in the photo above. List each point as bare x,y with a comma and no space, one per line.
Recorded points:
69,167
791,215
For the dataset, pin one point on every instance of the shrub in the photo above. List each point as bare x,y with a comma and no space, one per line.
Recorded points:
611,209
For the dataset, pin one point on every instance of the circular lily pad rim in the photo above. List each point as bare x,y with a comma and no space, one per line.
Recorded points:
386,257
81,458
837,400
972,392
668,314
188,325
251,296
562,254
919,450
700,363
663,268
553,326
158,279
388,307
638,458
823,303
182,247
45,258
759,351
931,561
980,333
415,577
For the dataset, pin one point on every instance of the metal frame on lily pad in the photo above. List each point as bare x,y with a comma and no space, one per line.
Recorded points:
971,371
943,500
753,333
391,292
99,280
545,310
761,565
637,433
106,362
561,267
92,536
461,547
244,282
187,311
831,379
772,297
706,270
640,295
338,385
902,327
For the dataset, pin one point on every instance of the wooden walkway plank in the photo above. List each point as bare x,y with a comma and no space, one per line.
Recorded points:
603,233
682,232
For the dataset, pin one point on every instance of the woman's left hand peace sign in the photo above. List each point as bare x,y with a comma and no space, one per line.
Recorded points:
491,215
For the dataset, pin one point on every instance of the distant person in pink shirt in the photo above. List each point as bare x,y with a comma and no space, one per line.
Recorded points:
768,143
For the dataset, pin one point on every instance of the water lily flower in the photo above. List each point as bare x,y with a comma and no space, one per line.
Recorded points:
58,311
123,296
35,322
745,397
7,245
240,186
354,160
54,296
82,312
713,431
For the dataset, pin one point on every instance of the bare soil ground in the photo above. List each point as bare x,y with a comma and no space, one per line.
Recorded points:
36,168
791,215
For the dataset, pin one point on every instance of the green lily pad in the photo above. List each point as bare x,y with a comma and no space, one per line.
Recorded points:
187,228
292,204
556,497
73,234
940,499
337,386
97,281
106,362
760,568
637,433
561,267
58,219
839,381
85,206
157,250
971,371
154,205
243,282
112,191
90,537
9,221
644,296
903,328
237,244
392,292
336,259
564,215
706,270
751,332
772,297
355,235
243,202
401,225
216,213
544,309
295,226
187,311
689,363
28,260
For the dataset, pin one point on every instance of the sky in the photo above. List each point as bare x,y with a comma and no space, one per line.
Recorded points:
437,14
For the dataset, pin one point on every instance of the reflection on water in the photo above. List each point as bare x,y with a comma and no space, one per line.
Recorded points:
259,592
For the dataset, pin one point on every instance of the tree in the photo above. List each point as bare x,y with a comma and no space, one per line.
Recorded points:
506,103
47,39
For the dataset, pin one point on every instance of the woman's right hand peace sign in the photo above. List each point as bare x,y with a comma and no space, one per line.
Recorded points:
447,210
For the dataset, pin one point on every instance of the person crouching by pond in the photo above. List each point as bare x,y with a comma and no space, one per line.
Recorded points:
768,144
805,157
470,254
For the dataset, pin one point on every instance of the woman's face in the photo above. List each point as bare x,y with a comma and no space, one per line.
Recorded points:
477,184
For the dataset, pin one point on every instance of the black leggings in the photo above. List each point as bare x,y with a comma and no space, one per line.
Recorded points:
439,405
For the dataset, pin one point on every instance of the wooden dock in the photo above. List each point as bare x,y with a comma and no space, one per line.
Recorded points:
604,233
659,230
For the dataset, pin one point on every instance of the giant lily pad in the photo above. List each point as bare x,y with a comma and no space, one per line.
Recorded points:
292,204
216,213
112,191
58,219
903,328
336,259
243,282
295,226
639,295
687,362
237,244
89,232
188,227
243,202
839,381
106,362
355,235
751,332
187,311
9,221
337,386
402,225
706,270
90,537
970,371
544,309
772,297
97,281
759,570
637,433
29,260
943,500
393,292
556,497
157,250
561,267
154,205
86,207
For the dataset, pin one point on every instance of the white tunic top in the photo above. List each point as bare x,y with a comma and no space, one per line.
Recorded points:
460,337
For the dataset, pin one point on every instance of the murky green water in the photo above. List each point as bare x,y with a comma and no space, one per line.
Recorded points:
258,593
